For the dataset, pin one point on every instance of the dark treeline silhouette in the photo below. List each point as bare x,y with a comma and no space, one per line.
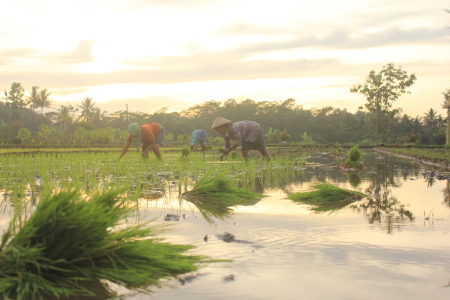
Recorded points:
281,121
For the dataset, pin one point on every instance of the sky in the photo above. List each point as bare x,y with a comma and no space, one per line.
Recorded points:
145,55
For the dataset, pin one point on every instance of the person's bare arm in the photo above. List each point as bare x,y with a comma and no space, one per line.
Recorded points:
124,150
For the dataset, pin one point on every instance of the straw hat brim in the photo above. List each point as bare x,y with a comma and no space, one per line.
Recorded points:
219,121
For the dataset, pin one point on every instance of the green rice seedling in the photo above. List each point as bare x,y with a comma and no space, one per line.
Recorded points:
70,241
234,155
215,194
353,160
185,151
325,197
221,187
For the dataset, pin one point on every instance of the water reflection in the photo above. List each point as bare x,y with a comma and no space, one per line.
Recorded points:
353,178
384,209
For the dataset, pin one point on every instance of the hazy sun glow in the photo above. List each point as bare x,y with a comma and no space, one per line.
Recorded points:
177,53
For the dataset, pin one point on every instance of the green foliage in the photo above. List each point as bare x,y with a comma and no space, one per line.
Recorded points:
46,132
284,136
169,137
381,91
328,125
273,135
307,139
411,138
24,135
16,96
69,241
185,151
438,138
327,197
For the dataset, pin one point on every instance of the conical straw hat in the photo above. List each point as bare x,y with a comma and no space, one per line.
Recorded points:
219,121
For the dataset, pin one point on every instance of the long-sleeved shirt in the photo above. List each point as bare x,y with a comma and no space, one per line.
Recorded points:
242,131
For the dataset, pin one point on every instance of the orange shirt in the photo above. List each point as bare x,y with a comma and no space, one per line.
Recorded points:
148,133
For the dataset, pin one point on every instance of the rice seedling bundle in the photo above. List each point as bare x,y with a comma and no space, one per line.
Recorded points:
327,197
220,187
353,160
69,242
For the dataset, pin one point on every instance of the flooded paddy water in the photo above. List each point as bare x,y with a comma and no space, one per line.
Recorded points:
395,244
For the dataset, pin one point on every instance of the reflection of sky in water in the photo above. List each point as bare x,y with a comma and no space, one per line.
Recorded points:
365,251
297,254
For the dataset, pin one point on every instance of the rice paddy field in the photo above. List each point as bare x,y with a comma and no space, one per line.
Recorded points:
391,242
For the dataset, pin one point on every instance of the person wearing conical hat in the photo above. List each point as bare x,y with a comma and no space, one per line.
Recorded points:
199,137
247,134
149,137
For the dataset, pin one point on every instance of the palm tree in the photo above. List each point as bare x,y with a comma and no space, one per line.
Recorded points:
44,100
34,97
430,118
446,105
87,109
64,116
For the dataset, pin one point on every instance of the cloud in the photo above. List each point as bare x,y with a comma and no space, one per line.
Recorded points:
148,104
187,69
12,56
32,57
346,40
81,54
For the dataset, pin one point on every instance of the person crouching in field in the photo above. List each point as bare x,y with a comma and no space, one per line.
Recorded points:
247,134
199,137
150,135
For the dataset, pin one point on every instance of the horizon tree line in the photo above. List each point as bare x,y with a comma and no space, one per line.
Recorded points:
282,120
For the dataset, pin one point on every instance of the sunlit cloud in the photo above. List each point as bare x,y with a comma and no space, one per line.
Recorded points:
184,52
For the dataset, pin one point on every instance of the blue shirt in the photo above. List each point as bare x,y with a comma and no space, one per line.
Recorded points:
195,139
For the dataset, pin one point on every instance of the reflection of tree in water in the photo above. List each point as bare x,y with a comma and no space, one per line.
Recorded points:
446,192
271,179
382,207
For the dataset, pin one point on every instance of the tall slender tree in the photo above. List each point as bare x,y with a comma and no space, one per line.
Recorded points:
446,105
44,100
34,98
87,109
431,118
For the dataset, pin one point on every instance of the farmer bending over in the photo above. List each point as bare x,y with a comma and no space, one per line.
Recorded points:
199,137
150,135
247,134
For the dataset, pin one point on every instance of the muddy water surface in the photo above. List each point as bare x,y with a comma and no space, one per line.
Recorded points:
394,245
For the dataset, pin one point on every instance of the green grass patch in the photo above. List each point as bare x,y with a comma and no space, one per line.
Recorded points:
437,156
